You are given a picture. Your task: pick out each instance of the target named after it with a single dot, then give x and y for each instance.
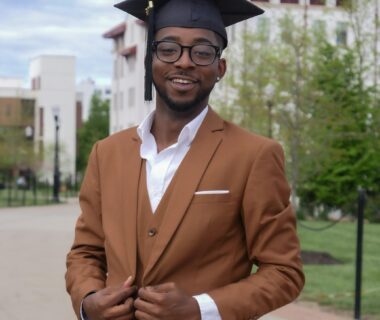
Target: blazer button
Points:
(152, 232)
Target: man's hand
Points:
(111, 303)
(165, 302)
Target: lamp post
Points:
(269, 93)
(359, 253)
(56, 175)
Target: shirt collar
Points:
(143, 130)
(186, 135)
(189, 131)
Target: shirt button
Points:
(152, 232)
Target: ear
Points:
(222, 67)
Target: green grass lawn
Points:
(334, 285)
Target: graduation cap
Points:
(214, 15)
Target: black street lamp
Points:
(56, 177)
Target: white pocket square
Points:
(212, 192)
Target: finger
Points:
(151, 296)
(164, 287)
(120, 295)
(122, 310)
(143, 305)
(128, 282)
(113, 289)
(147, 307)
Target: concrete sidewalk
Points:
(303, 311)
(33, 245)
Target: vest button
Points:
(152, 232)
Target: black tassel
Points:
(149, 53)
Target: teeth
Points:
(183, 81)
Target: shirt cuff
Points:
(83, 315)
(208, 308)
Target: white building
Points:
(53, 84)
(127, 104)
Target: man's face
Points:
(182, 85)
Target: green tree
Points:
(94, 129)
(268, 74)
(322, 109)
(343, 152)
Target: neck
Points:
(168, 124)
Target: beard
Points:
(186, 106)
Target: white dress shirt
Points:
(160, 169)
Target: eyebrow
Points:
(195, 41)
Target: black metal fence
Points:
(29, 190)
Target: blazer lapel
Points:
(187, 177)
(131, 177)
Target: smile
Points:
(182, 81)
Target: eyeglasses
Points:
(200, 54)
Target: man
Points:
(177, 211)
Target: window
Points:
(115, 69)
(132, 32)
(27, 110)
(232, 35)
(121, 100)
(131, 97)
(41, 118)
(131, 61)
(36, 83)
(8, 110)
(121, 67)
(115, 104)
(319, 26)
(290, 1)
(263, 27)
(318, 2)
(341, 33)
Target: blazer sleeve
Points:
(86, 261)
(271, 241)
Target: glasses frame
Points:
(218, 51)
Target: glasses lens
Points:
(203, 55)
(168, 51)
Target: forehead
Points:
(186, 35)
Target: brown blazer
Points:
(206, 243)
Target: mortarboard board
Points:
(214, 15)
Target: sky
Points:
(29, 28)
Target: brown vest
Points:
(148, 224)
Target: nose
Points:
(184, 60)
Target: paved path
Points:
(33, 245)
